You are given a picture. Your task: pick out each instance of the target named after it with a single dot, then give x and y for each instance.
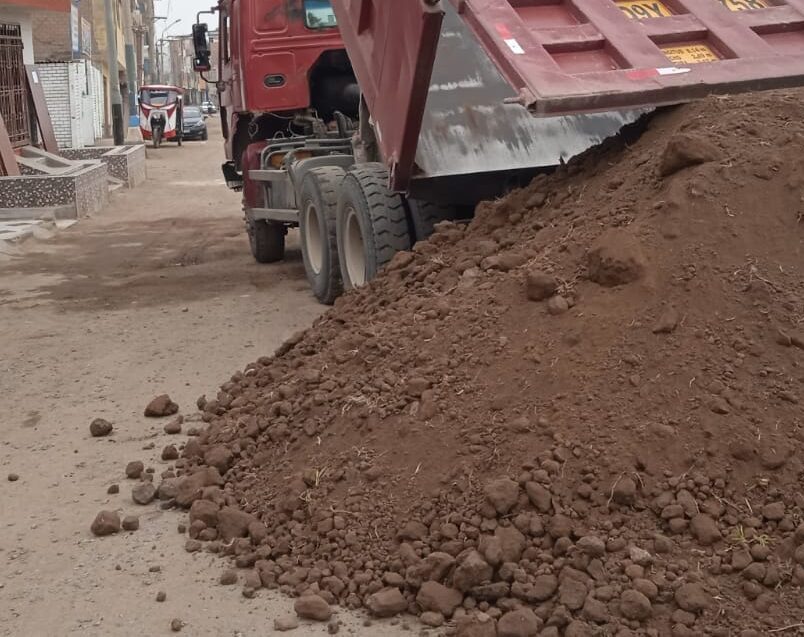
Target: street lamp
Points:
(162, 45)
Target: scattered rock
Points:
(471, 571)
(502, 494)
(386, 602)
(437, 597)
(170, 453)
(143, 493)
(557, 305)
(429, 618)
(113, 489)
(519, 623)
(693, 598)
(615, 259)
(13, 477)
(667, 322)
(705, 530)
(161, 596)
(134, 469)
(131, 523)
(312, 607)
(624, 491)
(161, 406)
(105, 523)
(284, 624)
(539, 285)
(228, 577)
(174, 426)
(176, 625)
(100, 427)
(634, 605)
(475, 625)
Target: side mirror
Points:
(201, 61)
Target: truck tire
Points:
(425, 215)
(267, 240)
(372, 224)
(318, 203)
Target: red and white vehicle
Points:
(160, 109)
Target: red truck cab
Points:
(279, 61)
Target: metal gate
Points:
(13, 93)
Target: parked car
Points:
(193, 124)
(209, 108)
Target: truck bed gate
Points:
(566, 56)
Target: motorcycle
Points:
(160, 113)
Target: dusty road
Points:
(157, 294)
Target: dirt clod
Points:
(161, 406)
(176, 625)
(105, 523)
(13, 477)
(143, 493)
(130, 523)
(684, 150)
(134, 469)
(100, 427)
(312, 607)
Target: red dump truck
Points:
(364, 122)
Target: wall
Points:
(51, 35)
(22, 17)
(65, 84)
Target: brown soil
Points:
(622, 458)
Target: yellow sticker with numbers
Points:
(690, 54)
(744, 5)
(641, 9)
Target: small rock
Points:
(386, 602)
(502, 494)
(134, 469)
(13, 477)
(312, 607)
(640, 556)
(539, 285)
(705, 529)
(220, 457)
(174, 426)
(544, 587)
(429, 618)
(557, 305)
(334, 627)
(143, 493)
(592, 546)
(130, 523)
(228, 577)
(572, 593)
(176, 625)
(471, 571)
(161, 406)
(634, 605)
(478, 625)
(100, 427)
(667, 322)
(170, 453)
(437, 597)
(773, 511)
(693, 598)
(284, 624)
(105, 523)
(193, 546)
(624, 491)
(161, 596)
(519, 623)
(113, 489)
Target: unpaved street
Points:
(157, 294)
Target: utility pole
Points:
(131, 60)
(114, 77)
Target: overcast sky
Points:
(184, 9)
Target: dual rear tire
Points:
(350, 224)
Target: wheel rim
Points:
(312, 238)
(353, 248)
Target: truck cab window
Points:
(318, 14)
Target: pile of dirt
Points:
(578, 415)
